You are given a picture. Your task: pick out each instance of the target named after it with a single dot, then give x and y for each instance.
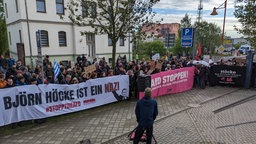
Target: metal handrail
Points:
(235, 104)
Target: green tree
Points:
(116, 18)
(3, 31)
(185, 23)
(245, 12)
(147, 49)
(177, 47)
(236, 46)
(208, 34)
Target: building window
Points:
(6, 10)
(93, 9)
(110, 41)
(44, 38)
(121, 41)
(20, 36)
(90, 37)
(10, 38)
(84, 8)
(62, 38)
(60, 6)
(89, 8)
(17, 8)
(40, 6)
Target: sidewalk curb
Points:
(170, 115)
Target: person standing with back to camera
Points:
(146, 111)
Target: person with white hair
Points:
(146, 112)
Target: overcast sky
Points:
(174, 10)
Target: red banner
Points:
(172, 81)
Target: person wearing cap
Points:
(146, 112)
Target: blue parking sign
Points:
(187, 37)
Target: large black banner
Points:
(227, 75)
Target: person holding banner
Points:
(3, 82)
(131, 83)
(146, 112)
(10, 82)
(68, 79)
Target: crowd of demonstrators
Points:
(14, 73)
(232, 62)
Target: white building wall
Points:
(49, 15)
(53, 30)
(13, 15)
(15, 37)
(80, 40)
(102, 48)
(51, 22)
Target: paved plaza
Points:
(184, 118)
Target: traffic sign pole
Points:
(39, 51)
(194, 45)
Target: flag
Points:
(199, 51)
(56, 70)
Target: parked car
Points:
(229, 50)
(245, 48)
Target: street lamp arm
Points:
(222, 6)
(214, 12)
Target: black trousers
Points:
(139, 132)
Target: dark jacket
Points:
(146, 111)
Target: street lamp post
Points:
(214, 12)
(29, 38)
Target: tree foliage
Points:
(3, 31)
(147, 49)
(186, 22)
(117, 18)
(177, 47)
(245, 11)
(208, 34)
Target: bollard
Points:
(249, 62)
